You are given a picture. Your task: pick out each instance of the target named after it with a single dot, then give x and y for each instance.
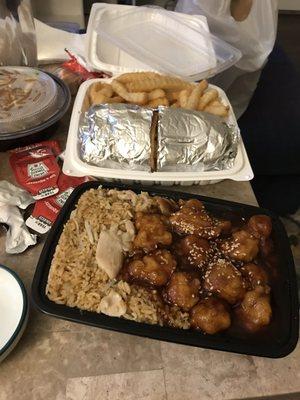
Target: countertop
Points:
(60, 360)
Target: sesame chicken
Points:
(242, 246)
(210, 316)
(260, 226)
(152, 231)
(225, 281)
(182, 290)
(193, 251)
(255, 310)
(255, 275)
(154, 269)
(192, 219)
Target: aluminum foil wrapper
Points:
(191, 141)
(116, 136)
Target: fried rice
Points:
(75, 278)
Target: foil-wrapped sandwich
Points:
(124, 136)
(117, 136)
(194, 141)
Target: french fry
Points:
(196, 94)
(116, 99)
(173, 96)
(140, 98)
(153, 90)
(86, 103)
(100, 98)
(158, 102)
(207, 98)
(219, 109)
(216, 103)
(107, 90)
(100, 88)
(97, 98)
(156, 94)
(96, 86)
(132, 76)
(93, 89)
(157, 82)
(183, 98)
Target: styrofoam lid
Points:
(163, 40)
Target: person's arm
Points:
(240, 9)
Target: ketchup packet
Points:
(78, 67)
(46, 211)
(36, 168)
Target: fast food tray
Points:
(75, 166)
(275, 341)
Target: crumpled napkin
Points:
(18, 237)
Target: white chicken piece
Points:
(109, 253)
(128, 235)
(113, 305)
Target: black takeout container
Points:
(276, 340)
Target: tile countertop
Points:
(60, 360)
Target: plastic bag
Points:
(254, 37)
(17, 33)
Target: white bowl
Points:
(13, 310)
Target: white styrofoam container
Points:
(73, 165)
(103, 55)
(162, 40)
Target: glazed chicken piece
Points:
(226, 226)
(193, 251)
(152, 231)
(255, 275)
(210, 315)
(255, 311)
(260, 226)
(154, 269)
(166, 206)
(266, 247)
(225, 281)
(193, 219)
(242, 246)
(182, 290)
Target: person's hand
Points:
(240, 9)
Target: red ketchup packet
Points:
(46, 211)
(75, 65)
(36, 168)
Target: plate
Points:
(13, 310)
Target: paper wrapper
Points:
(18, 238)
(14, 196)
